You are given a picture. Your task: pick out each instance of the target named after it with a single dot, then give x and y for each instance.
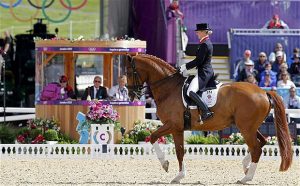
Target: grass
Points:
(85, 20)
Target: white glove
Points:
(182, 68)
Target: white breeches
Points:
(194, 86)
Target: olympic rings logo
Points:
(14, 3)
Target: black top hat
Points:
(202, 26)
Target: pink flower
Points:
(147, 139)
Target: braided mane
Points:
(158, 63)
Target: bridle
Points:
(138, 87)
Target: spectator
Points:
(272, 56)
(295, 70)
(282, 68)
(240, 64)
(273, 74)
(57, 91)
(66, 90)
(259, 64)
(296, 52)
(276, 23)
(295, 66)
(249, 69)
(279, 61)
(95, 92)
(292, 101)
(285, 81)
(267, 81)
(251, 79)
(119, 92)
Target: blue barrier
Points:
(283, 92)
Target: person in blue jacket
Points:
(203, 64)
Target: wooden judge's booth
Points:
(81, 61)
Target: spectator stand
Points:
(260, 40)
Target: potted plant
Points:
(142, 131)
(51, 136)
(103, 118)
(102, 114)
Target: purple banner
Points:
(223, 15)
(90, 49)
(79, 102)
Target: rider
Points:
(203, 64)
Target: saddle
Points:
(208, 93)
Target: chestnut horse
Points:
(243, 104)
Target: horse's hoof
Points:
(175, 181)
(239, 182)
(166, 166)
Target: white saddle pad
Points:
(209, 97)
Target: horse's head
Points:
(146, 68)
(134, 80)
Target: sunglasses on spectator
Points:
(97, 81)
(262, 56)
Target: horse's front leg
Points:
(164, 130)
(178, 140)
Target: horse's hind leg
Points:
(163, 130)
(253, 140)
(178, 140)
(247, 160)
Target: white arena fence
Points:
(143, 151)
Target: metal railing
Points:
(238, 31)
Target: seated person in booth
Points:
(292, 101)
(119, 92)
(95, 92)
(66, 90)
(58, 91)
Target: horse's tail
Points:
(282, 131)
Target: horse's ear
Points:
(129, 57)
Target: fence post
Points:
(71, 30)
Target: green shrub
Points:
(7, 135)
(127, 141)
(64, 139)
(23, 131)
(141, 135)
(298, 140)
(34, 133)
(51, 135)
(196, 139)
(212, 139)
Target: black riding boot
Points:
(206, 113)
